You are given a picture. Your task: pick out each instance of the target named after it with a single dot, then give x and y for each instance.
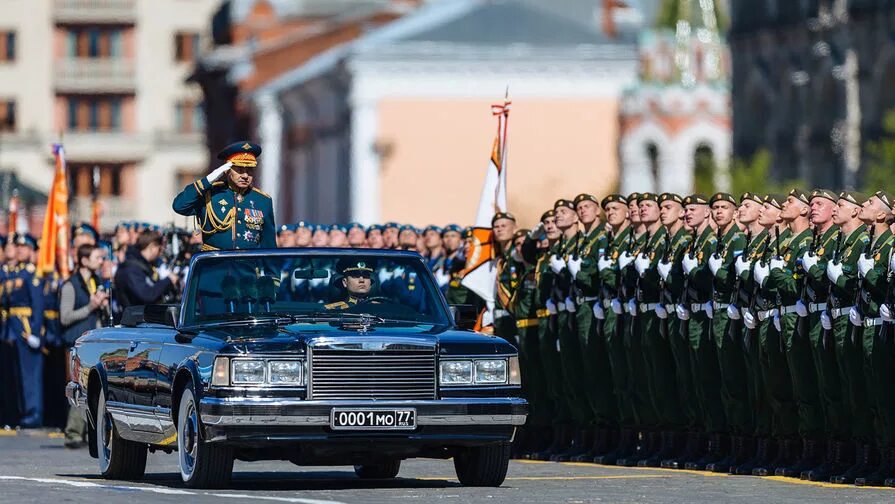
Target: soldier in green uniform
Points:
(842, 273)
(608, 285)
(877, 354)
(503, 225)
(731, 243)
(696, 297)
(591, 241)
(231, 213)
(778, 280)
(741, 377)
(670, 355)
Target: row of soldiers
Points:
(749, 336)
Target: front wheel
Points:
(119, 459)
(483, 466)
(202, 464)
(382, 470)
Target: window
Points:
(7, 115)
(81, 179)
(94, 42)
(188, 117)
(94, 113)
(7, 46)
(186, 46)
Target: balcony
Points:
(114, 209)
(100, 146)
(95, 11)
(85, 75)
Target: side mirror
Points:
(464, 315)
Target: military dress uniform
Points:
(230, 219)
(55, 403)
(26, 305)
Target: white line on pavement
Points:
(167, 491)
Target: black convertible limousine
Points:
(314, 356)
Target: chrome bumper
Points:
(245, 411)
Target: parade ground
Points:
(36, 468)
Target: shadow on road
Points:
(281, 481)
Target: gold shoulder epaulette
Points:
(30, 268)
(262, 193)
(337, 304)
(217, 183)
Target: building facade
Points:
(108, 78)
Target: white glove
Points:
(865, 264)
(664, 269)
(661, 312)
(385, 276)
(733, 313)
(551, 307)
(690, 263)
(570, 305)
(809, 260)
(33, 341)
(616, 306)
(778, 263)
(574, 267)
(163, 271)
(604, 262)
(598, 311)
(886, 313)
(749, 319)
(777, 324)
(682, 312)
(216, 174)
(761, 272)
(715, 263)
(709, 310)
(624, 260)
(854, 316)
(892, 262)
(398, 272)
(557, 263)
(742, 265)
(801, 309)
(632, 306)
(641, 264)
(834, 271)
(442, 277)
(825, 321)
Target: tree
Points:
(880, 171)
(754, 176)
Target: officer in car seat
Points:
(357, 282)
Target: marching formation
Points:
(745, 336)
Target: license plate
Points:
(372, 419)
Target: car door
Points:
(140, 379)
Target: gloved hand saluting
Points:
(220, 170)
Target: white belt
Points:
(719, 306)
(766, 314)
(648, 307)
(561, 306)
(816, 307)
(585, 299)
(873, 322)
(696, 307)
(786, 310)
(839, 312)
(671, 309)
(499, 313)
(607, 303)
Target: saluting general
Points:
(230, 211)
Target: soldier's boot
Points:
(656, 445)
(641, 446)
(587, 446)
(605, 441)
(786, 456)
(836, 464)
(692, 451)
(863, 466)
(670, 445)
(781, 458)
(601, 437)
(882, 472)
(810, 458)
(560, 442)
(762, 455)
(724, 465)
(574, 448)
(828, 455)
(713, 453)
(627, 443)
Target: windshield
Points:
(236, 287)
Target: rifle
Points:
(861, 281)
(776, 241)
(887, 328)
(737, 282)
(834, 258)
(812, 250)
(690, 247)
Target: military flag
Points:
(13, 226)
(54, 243)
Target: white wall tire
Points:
(119, 458)
(202, 464)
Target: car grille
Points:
(388, 374)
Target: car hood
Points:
(295, 338)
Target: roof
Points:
(474, 30)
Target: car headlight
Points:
(284, 372)
(491, 372)
(515, 371)
(245, 371)
(456, 373)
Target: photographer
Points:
(137, 281)
(81, 304)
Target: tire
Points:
(382, 470)
(202, 464)
(484, 466)
(119, 459)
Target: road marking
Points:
(162, 490)
(821, 484)
(8, 433)
(56, 435)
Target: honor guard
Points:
(230, 211)
(25, 327)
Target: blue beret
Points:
(338, 227)
(389, 225)
(321, 227)
(452, 227)
(355, 225)
(25, 239)
(432, 227)
(303, 224)
(84, 228)
(408, 227)
(374, 227)
(283, 228)
(105, 245)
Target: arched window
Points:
(704, 168)
(652, 156)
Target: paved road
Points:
(35, 468)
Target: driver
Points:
(357, 282)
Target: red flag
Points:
(53, 253)
(13, 226)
